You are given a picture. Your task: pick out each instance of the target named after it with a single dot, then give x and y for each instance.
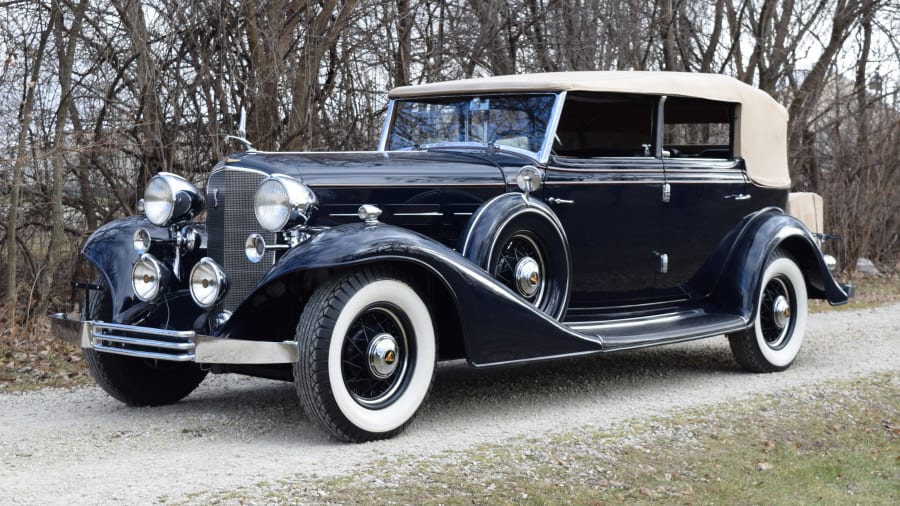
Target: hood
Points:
(380, 168)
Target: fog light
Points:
(149, 277)
(830, 262)
(209, 284)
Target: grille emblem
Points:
(216, 199)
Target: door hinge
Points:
(666, 192)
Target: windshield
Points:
(517, 121)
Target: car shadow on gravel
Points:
(265, 409)
(635, 369)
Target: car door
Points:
(606, 188)
(709, 191)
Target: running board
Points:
(660, 329)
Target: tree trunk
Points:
(16, 190)
(66, 53)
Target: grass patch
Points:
(869, 292)
(836, 443)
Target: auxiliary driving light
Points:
(209, 284)
(149, 277)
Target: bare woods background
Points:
(97, 96)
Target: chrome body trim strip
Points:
(184, 346)
(430, 213)
(441, 184)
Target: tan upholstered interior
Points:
(760, 138)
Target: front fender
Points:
(497, 326)
(111, 250)
(740, 284)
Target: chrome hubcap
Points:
(382, 355)
(528, 277)
(781, 311)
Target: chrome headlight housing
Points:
(209, 284)
(282, 202)
(149, 277)
(171, 198)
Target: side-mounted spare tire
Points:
(521, 243)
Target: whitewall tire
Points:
(775, 338)
(367, 355)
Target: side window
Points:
(596, 125)
(696, 128)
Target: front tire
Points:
(367, 355)
(136, 381)
(774, 340)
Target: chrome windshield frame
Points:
(388, 119)
(544, 154)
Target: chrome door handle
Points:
(554, 200)
(738, 196)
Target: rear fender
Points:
(496, 325)
(739, 286)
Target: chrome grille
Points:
(229, 220)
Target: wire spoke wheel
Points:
(775, 312)
(521, 267)
(367, 354)
(375, 355)
(773, 341)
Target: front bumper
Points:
(171, 345)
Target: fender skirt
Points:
(498, 326)
(742, 276)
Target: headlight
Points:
(170, 198)
(149, 277)
(282, 202)
(208, 283)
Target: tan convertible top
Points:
(761, 126)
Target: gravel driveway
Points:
(82, 447)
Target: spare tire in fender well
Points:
(498, 220)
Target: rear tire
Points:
(136, 381)
(774, 340)
(367, 354)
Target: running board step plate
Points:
(668, 328)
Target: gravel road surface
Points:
(82, 447)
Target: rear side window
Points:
(696, 128)
(594, 125)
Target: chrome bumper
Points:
(171, 345)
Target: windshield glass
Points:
(517, 121)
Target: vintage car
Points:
(503, 220)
